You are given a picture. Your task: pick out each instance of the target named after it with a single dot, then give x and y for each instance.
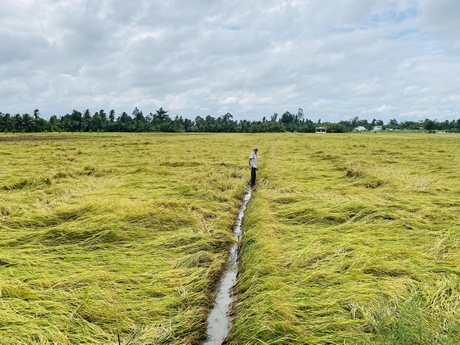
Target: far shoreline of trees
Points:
(161, 121)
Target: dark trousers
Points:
(253, 176)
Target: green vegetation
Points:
(352, 239)
(108, 234)
(161, 121)
(349, 238)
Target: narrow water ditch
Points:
(219, 322)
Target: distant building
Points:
(360, 129)
(321, 130)
(377, 128)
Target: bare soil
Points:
(34, 137)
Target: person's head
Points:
(256, 149)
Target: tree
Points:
(335, 128)
(355, 122)
(36, 114)
(188, 125)
(17, 123)
(7, 124)
(2, 122)
(200, 124)
(96, 122)
(161, 121)
(103, 115)
(178, 124)
(411, 125)
(86, 121)
(287, 118)
(124, 122)
(307, 126)
(111, 125)
(139, 119)
(290, 121)
(54, 124)
(300, 114)
(225, 123)
(76, 125)
(393, 124)
(429, 125)
(160, 116)
(210, 124)
(27, 123)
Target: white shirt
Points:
(253, 158)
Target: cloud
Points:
(334, 59)
(410, 89)
(368, 89)
(379, 110)
(441, 16)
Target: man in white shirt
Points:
(253, 165)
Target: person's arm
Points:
(249, 162)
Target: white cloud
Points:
(369, 89)
(336, 59)
(379, 110)
(230, 100)
(441, 16)
(410, 89)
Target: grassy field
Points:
(353, 239)
(109, 234)
(349, 238)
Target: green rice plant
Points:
(349, 239)
(413, 322)
(107, 236)
(352, 240)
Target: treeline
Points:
(161, 121)
(393, 124)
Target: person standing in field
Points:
(253, 165)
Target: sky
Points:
(334, 59)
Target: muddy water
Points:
(219, 322)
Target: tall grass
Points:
(352, 239)
(109, 234)
(349, 239)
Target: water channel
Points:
(219, 322)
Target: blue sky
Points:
(335, 59)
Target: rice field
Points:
(104, 236)
(349, 238)
(353, 239)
